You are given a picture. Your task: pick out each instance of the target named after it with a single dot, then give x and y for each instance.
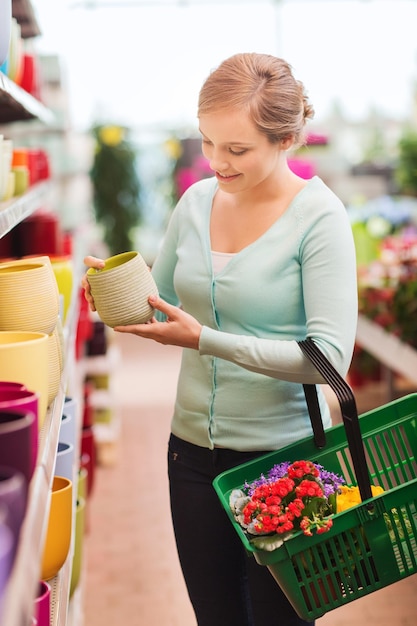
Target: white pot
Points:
(5, 26)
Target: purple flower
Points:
(330, 481)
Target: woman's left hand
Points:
(179, 329)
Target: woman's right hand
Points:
(90, 261)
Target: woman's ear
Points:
(287, 143)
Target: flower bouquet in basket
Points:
(303, 497)
(298, 496)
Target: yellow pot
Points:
(29, 297)
(63, 270)
(77, 558)
(82, 483)
(24, 358)
(9, 188)
(58, 534)
(55, 364)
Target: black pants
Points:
(226, 586)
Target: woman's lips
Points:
(226, 179)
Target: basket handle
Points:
(350, 418)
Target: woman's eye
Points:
(237, 152)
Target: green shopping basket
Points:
(369, 546)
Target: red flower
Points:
(294, 501)
(309, 488)
(302, 468)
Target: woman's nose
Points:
(217, 161)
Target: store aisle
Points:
(132, 576)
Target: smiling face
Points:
(241, 157)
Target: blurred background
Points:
(142, 62)
(139, 64)
(99, 139)
(108, 89)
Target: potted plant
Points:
(406, 170)
(116, 187)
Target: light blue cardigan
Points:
(243, 388)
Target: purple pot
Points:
(23, 400)
(16, 441)
(6, 555)
(13, 495)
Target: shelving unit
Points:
(24, 578)
(17, 109)
(392, 353)
(16, 209)
(16, 104)
(25, 574)
(107, 434)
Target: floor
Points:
(131, 575)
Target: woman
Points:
(253, 260)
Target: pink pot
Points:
(42, 604)
(88, 448)
(6, 385)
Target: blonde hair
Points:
(264, 85)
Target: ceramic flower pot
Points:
(42, 604)
(121, 290)
(16, 441)
(13, 496)
(71, 407)
(78, 544)
(5, 28)
(68, 429)
(23, 400)
(64, 460)
(6, 555)
(55, 365)
(82, 493)
(63, 270)
(58, 534)
(88, 455)
(40, 233)
(29, 298)
(24, 358)
(6, 385)
(15, 58)
(82, 483)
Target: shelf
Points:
(388, 349)
(60, 586)
(24, 579)
(17, 104)
(15, 210)
(102, 363)
(22, 129)
(25, 575)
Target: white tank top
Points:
(220, 260)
